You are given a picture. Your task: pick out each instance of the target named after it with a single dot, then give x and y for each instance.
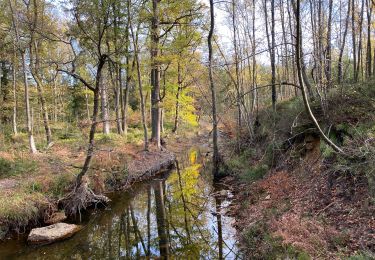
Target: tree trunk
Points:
(179, 89)
(104, 106)
(216, 156)
(155, 75)
(95, 113)
(27, 107)
(35, 70)
(14, 69)
(139, 76)
(237, 83)
(328, 67)
(26, 85)
(161, 220)
(369, 50)
(359, 62)
(342, 48)
(354, 42)
(254, 63)
(271, 48)
(273, 62)
(143, 109)
(300, 78)
(112, 69)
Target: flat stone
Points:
(56, 218)
(52, 233)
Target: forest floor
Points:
(301, 200)
(31, 185)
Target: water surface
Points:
(177, 215)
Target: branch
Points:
(78, 77)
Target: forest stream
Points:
(178, 214)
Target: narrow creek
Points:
(177, 215)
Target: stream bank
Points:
(177, 214)
(31, 200)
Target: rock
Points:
(56, 218)
(52, 233)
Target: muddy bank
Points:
(146, 165)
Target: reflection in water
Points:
(161, 219)
(178, 216)
(219, 226)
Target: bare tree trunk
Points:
(124, 98)
(54, 93)
(237, 82)
(216, 156)
(27, 107)
(139, 76)
(271, 48)
(342, 48)
(15, 105)
(104, 106)
(26, 85)
(95, 113)
(254, 59)
(35, 69)
(368, 52)
(328, 64)
(161, 220)
(155, 74)
(42, 101)
(112, 68)
(179, 89)
(273, 62)
(300, 78)
(162, 120)
(354, 42)
(359, 62)
(87, 104)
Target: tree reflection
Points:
(161, 220)
(219, 226)
(175, 217)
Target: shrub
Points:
(60, 184)
(260, 244)
(255, 173)
(363, 256)
(5, 167)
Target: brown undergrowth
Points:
(302, 207)
(310, 203)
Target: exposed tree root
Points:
(80, 199)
